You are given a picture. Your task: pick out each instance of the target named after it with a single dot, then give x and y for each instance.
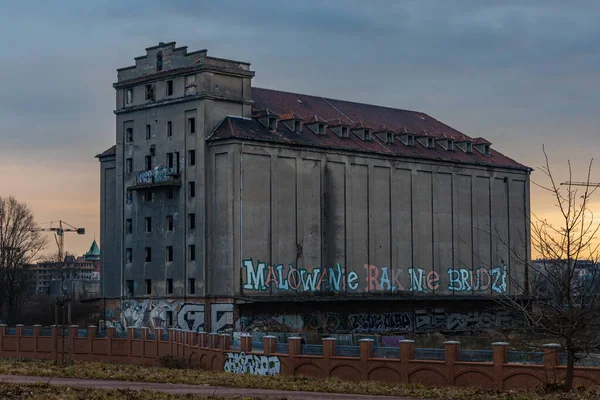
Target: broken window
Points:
(148, 286)
(148, 257)
(129, 165)
(169, 88)
(148, 163)
(169, 253)
(192, 285)
(128, 226)
(192, 189)
(130, 287)
(129, 136)
(148, 195)
(190, 84)
(169, 223)
(148, 224)
(192, 221)
(170, 160)
(128, 256)
(150, 94)
(191, 125)
(148, 132)
(192, 252)
(169, 193)
(169, 129)
(192, 157)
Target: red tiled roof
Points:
(361, 115)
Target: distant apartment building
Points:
(79, 275)
(226, 206)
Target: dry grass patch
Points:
(139, 373)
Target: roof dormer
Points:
(267, 118)
(482, 146)
(446, 141)
(407, 138)
(426, 139)
(465, 144)
(362, 130)
(339, 127)
(292, 121)
(316, 124)
(385, 134)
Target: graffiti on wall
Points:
(159, 313)
(421, 320)
(221, 317)
(241, 363)
(261, 277)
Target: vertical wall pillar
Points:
(130, 336)
(270, 344)
(20, 331)
(37, 332)
(500, 358)
(407, 353)
(111, 333)
(329, 345)
(551, 361)
(92, 329)
(367, 349)
(203, 339)
(225, 343)
(451, 355)
(294, 346)
(2, 334)
(246, 343)
(213, 339)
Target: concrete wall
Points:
(307, 222)
(109, 261)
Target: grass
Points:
(42, 391)
(138, 373)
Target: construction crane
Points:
(588, 184)
(60, 228)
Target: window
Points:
(297, 126)
(150, 95)
(128, 256)
(169, 286)
(192, 285)
(148, 254)
(450, 145)
(486, 149)
(169, 88)
(192, 189)
(192, 221)
(469, 147)
(128, 197)
(169, 318)
(169, 193)
(367, 134)
(191, 125)
(344, 131)
(411, 140)
(169, 128)
(170, 160)
(130, 287)
(148, 163)
(148, 196)
(148, 286)
(169, 253)
(129, 135)
(129, 165)
(148, 224)
(148, 132)
(192, 157)
(169, 223)
(430, 142)
(190, 84)
(321, 129)
(128, 226)
(192, 252)
(129, 96)
(272, 124)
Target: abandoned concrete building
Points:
(230, 207)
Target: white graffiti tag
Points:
(241, 363)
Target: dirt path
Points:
(194, 389)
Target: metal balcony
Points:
(160, 176)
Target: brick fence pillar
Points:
(91, 336)
(2, 334)
(37, 332)
(367, 350)
(213, 339)
(111, 333)
(499, 358)
(225, 343)
(329, 345)
(451, 356)
(20, 331)
(246, 343)
(270, 344)
(407, 353)
(551, 361)
(294, 346)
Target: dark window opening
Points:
(321, 129)
(148, 286)
(367, 135)
(148, 163)
(169, 128)
(296, 126)
(169, 286)
(128, 256)
(169, 223)
(148, 132)
(192, 252)
(148, 196)
(450, 145)
(169, 88)
(192, 221)
(130, 287)
(486, 149)
(192, 285)
(169, 318)
(170, 160)
(150, 95)
(192, 125)
(169, 193)
(148, 224)
(192, 189)
(128, 226)
(411, 140)
(272, 124)
(344, 131)
(129, 135)
(469, 147)
(192, 157)
(169, 253)
(148, 254)
(129, 165)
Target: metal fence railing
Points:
(525, 357)
(386, 352)
(282, 348)
(430, 354)
(476, 355)
(311, 349)
(582, 359)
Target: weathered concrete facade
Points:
(218, 196)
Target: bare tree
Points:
(562, 298)
(19, 247)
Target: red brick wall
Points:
(209, 349)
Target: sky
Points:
(522, 74)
